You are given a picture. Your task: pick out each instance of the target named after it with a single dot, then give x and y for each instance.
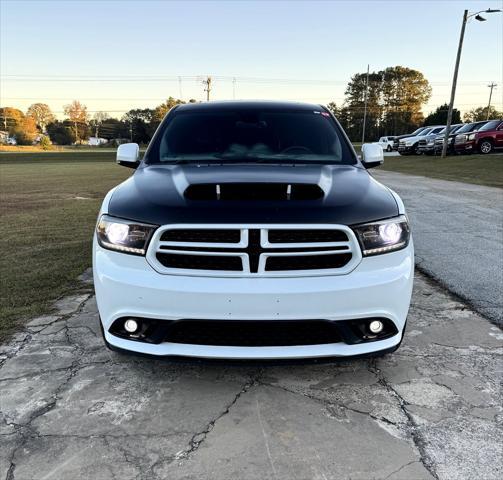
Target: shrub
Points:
(22, 137)
(45, 143)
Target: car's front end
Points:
(465, 143)
(252, 261)
(409, 145)
(426, 145)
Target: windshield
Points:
(425, 132)
(469, 127)
(491, 125)
(419, 130)
(239, 135)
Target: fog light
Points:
(130, 325)
(376, 326)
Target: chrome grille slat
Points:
(254, 250)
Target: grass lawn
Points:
(478, 169)
(49, 203)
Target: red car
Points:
(485, 140)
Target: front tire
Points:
(415, 149)
(485, 147)
(388, 148)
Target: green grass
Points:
(49, 203)
(478, 169)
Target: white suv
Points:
(252, 230)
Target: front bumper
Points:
(380, 286)
(466, 147)
(426, 149)
(405, 149)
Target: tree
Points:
(113, 128)
(10, 117)
(140, 124)
(61, 133)
(97, 121)
(394, 101)
(25, 132)
(77, 114)
(162, 109)
(42, 115)
(480, 113)
(439, 116)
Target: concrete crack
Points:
(414, 428)
(199, 437)
(400, 469)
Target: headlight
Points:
(384, 236)
(471, 136)
(123, 235)
(409, 144)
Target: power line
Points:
(178, 78)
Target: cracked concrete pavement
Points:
(458, 236)
(69, 408)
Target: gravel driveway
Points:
(70, 409)
(458, 236)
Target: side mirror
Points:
(372, 155)
(128, 154)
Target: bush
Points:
(22, 137)
(45, 143)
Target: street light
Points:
(456, 68)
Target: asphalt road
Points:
(458, 236)
(70, 409)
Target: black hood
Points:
(158, 194)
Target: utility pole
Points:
(207, 83)
(365, 108)
(491, 86)
(454, 82)
(180, 87)
(234, 88)
(456, 68)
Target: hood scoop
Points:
(253, 191)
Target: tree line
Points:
(393, 99)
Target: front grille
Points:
(200, 262)
(234, 251)
(306, 236)
(202, 235)
(243, 333)
(306, 262)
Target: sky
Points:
(123, 54)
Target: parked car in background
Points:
(426, 145)
(484, 140)
(386, 143)
(439, 139)
(410, 145)
(413, 134)
(462, 134)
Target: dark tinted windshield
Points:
(491, 125)
(469, 127)
(416, 132)
(255, 135)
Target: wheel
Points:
(485, 147)
(388, 148)
(415, 149)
